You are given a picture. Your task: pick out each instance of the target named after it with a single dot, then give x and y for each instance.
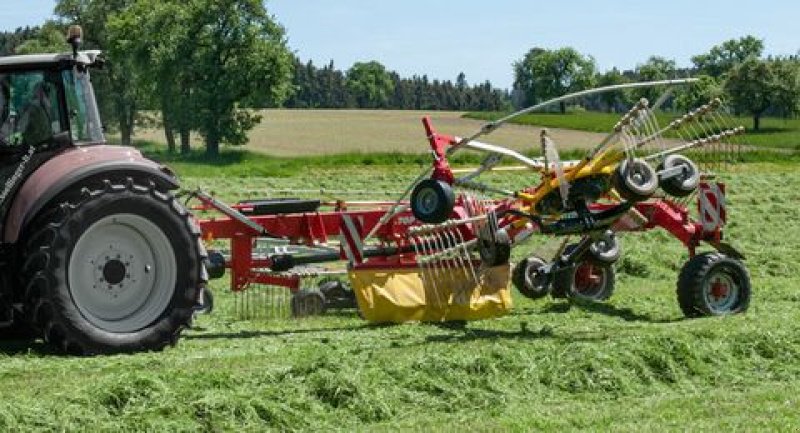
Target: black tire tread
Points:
(690, 298)
(518, 279)
(44, 256)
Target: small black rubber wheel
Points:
(432, 201)
(529, 280)
(635, 180)
(215, 264)
(337, 294)
(684, 183)
(586, 280)
(332, 288)
(306, 303)
(605, 250)
(115, 269)
(713, 284)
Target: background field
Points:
(325, 132)
(631, 364)
(291, 133)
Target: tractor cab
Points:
(47, 101)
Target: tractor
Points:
(97, 255)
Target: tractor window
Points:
(29, 109)
(84, 118)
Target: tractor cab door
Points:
(30, 110)
(32, 119)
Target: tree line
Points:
(736, 70)
(371, 85)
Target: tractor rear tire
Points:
(713, 284)
(117, 269)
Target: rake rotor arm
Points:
(692, 116)
(716, 138)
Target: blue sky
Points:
(482, 38)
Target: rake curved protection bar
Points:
(491, 126)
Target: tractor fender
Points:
(69, 168)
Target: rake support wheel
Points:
(605, 250)
(684, 183)
(529, 279)
(432, 201)
(635, 180)
(713, 284)
(306, 303)
(586, 280)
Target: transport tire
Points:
(586, 280)
(713, 284)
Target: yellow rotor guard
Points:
(405, 295)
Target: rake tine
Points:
(246, 304)
(433, 269)
(705, 125)
(418, 253)
(428, 256)
(468, 256)
(722, 125)
(458, 257)
(427, 278)
(433, 262)
(442, 251)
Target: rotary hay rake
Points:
(441, 251)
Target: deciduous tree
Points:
(756, 85)
(370, 84)
(544, 74)
(723, 57)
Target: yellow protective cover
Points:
(403, 295)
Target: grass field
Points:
(632, 364)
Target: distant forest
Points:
(327, 87)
